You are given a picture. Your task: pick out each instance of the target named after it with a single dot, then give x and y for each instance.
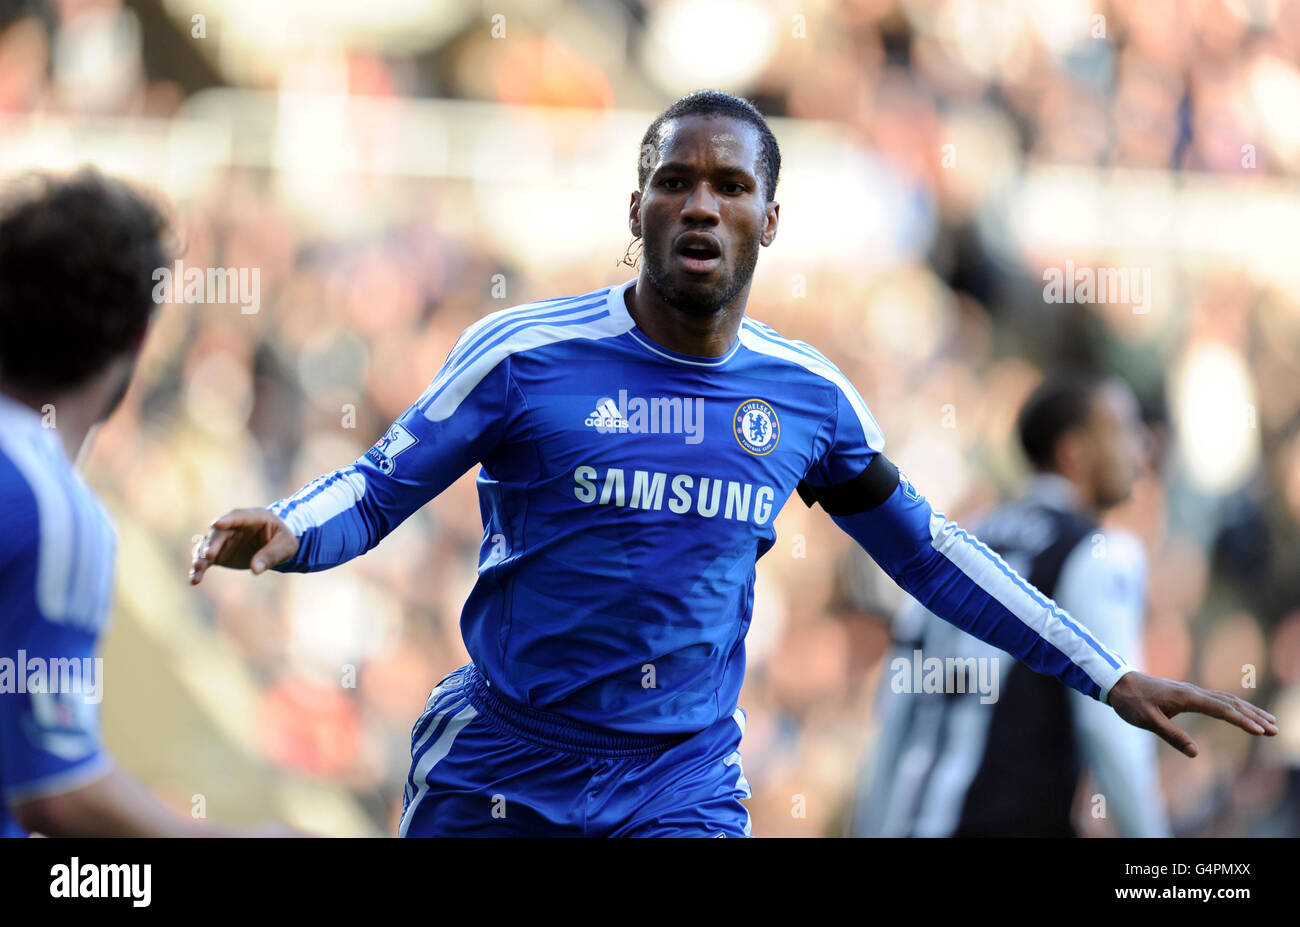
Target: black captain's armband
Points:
(864, 492)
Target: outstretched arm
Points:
(456, 423)
(962, 581)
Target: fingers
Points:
(1221, 705)
(233, 532)
(277, 550)
(1172, 734)
(1234, 710)
(1266, 720)
(1239, 714)
(206, 553)
(1154, 702)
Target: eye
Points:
(733, 187)
(667, 183)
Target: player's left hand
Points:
(1149, 702)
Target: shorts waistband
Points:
(555, 731)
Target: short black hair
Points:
(1059, 405)
(77, 256)
(710, 103)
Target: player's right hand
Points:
(244, 539)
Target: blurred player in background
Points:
(77, 257)
(637, 443)
(956, 763)
(26, 34)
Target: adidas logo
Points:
(606, 417)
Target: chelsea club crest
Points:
(756, 427)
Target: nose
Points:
(701, 205)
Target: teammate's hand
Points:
(245, 539)
(1149, 702)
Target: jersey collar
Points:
(618, 308)
(1054, 491)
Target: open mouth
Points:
(699, 253)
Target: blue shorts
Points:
(482, 766)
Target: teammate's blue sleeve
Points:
(945, 568)
(49, 704)
(456, 423)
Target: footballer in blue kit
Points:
(636, 444)
(67, 355)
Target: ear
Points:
(634, 214)
(769, 223)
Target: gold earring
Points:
(628, 258)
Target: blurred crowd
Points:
(944, 340)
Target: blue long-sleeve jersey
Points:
(56, 591)
(627, 491)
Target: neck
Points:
(71, 413)
(1083, 500)
(700, 335)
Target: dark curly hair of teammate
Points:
(77, 257)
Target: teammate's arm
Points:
(113, 805)
(959, 579)
(455, 424)
(55, 775)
